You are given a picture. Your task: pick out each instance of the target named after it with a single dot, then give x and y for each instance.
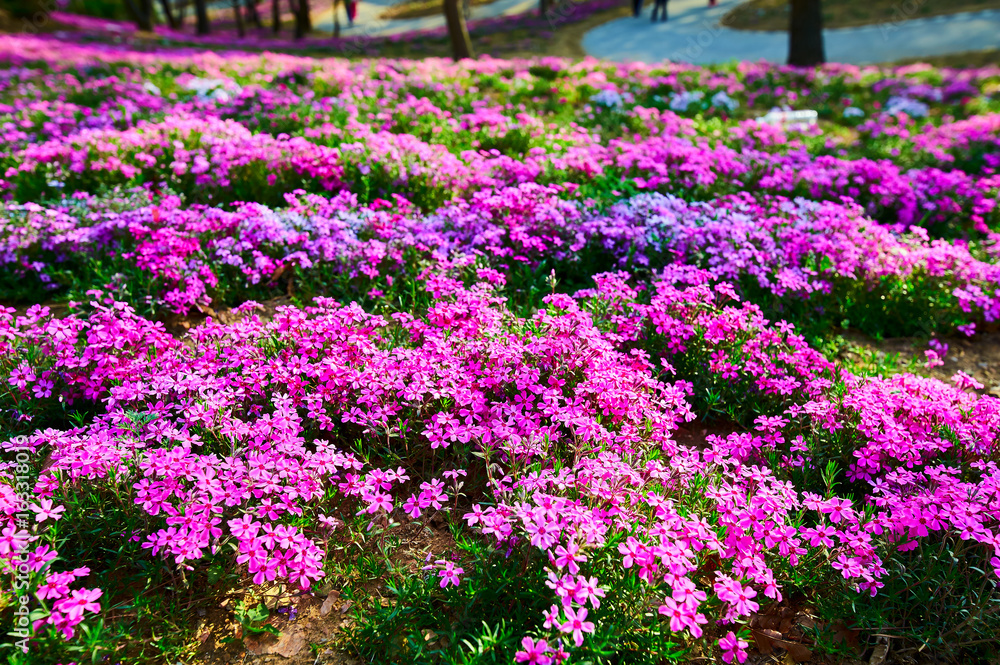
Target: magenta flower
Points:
(577, 624)
(534, 653)
(733, 648)
(245, 527)
(43, 510)
(450, 574)
(83, 600)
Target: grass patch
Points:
(773, 14)
(421, 8)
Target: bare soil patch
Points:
(977, 356)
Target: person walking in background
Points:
(636, 7)
(660, 4)
(711, 3)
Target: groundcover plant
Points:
(497, 361)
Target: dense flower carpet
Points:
(439, 339)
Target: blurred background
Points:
(804, 32)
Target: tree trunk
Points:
(275, 16)
(169, 13)
(805, 34)
(303, 23)
(458, 31)
(297, 18)
(307, 25)
(253, 15)
(142, 12)
(201, 12)
(543, 8)
(181, 13)
(147, 10)
(238, 15)
(336, 21)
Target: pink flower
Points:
(683, 616)
(589, 589)
(379, 501)
(450, 574)
(965, 382)
(577, 624)
(675, 612)
(82, 600)
(567, 557)
(534, 653)
(46, 511)
(244, 528)
(21, 376)
(331, 523)
(412, 508)
(733, 648)
(551, 618)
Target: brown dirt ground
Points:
(316, 635)
(978, 356)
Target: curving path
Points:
(693, 34)
(368, 24)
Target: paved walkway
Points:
(693, 34)
(368, 24)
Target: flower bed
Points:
(510, 290)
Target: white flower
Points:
(151, 88)
(853, 112)
(793, 120)
(220, 90)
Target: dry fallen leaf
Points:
(769, 640)
(879, 655)
(328, 603)
(765, 642)
(845, 635)
(798, 652)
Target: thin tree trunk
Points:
(169, 13)
(303, 23)
(147, 10)
(181, 13)
(458, 31)
(543, 8)
(336, 20)
(275, 16)
(201, 11)
(253, 14)
(238, 15)
(297, 18)
(805, 34)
